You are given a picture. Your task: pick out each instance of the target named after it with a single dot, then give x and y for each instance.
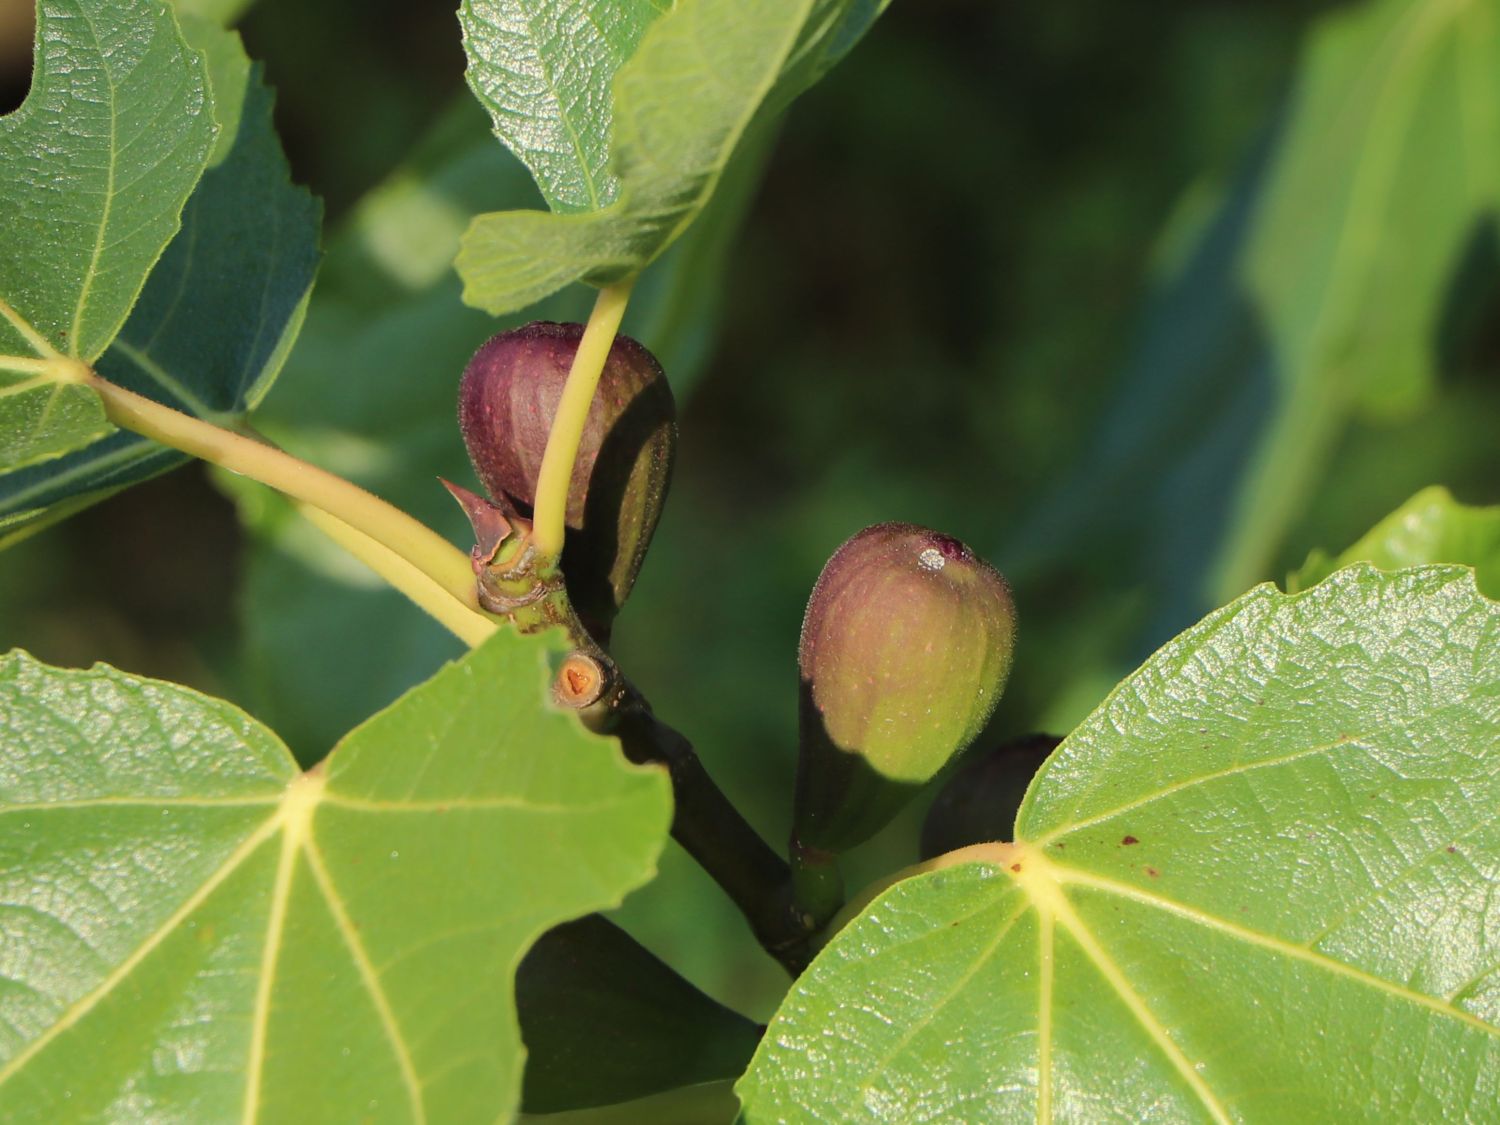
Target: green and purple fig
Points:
(905, 650)
(507, 401)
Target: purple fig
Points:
(979, 801)
(905, 650)
(507, 401)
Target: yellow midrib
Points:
(1038, 879)
(291, 816)
(1043, 884)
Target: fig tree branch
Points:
(723, 843)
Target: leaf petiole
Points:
(471, 626)
(413, 543)
(551, 508)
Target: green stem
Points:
(817, 883)
(550, 512)
(406, 538)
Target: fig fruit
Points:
(905, 650)
(507, 401)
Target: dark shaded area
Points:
(979, 801)
(629, 484)
(1468, 331)
(605, 1021)
(712, 830)
(1158, 476)
(359, 82)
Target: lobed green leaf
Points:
(218, 314)
(199, 932)
(1256, 884)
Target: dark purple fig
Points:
(906, 647)
(506, 405)
(979, 802)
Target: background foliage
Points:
(1013, 271)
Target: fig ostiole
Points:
(905, 650)
(507, 401)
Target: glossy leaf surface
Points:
(544, 69)
(199, 932)
(1257, 884)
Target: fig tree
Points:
(905, 650)
(507, 401)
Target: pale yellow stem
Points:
(406, 538)
(468, 625)
(551, 509)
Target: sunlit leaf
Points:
(544, 69)
(1257, 884)
(196, 931)
(98, 162)
(218, 314)
(1431, 527)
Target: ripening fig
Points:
(507, 401)
(905, 650)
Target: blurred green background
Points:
(1142, 301)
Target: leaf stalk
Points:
(415, 544)
(550, 512)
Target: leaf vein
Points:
(1072, 876)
